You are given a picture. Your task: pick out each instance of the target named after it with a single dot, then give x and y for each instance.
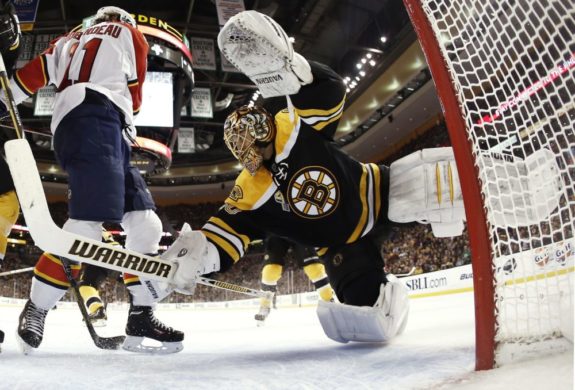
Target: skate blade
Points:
(260, 317)
(24, 347)
(260, 323)
(135, 344)
(99, 323)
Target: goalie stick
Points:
(101, 342)
(259, 293)
(235, 288)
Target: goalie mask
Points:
(106, 14)
(246, 131)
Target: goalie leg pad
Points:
(424, 187)
(380, 323)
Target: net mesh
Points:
(512, 64)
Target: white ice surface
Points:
(224, 349)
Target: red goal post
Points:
(504, 73)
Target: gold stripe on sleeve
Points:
(363, 218)
(311, 112)
(321, 125)
(220, 223)
(223, 244)
(377, 189)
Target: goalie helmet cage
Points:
(504, 73)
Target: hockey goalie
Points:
(298, 184)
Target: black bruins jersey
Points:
(6, 183)
(311, 191)
(277, 249)
(10, 56)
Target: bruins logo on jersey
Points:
(236, 193)
(228, 208)
(313, 192)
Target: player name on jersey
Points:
(106, 29)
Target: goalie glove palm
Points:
(257, 46)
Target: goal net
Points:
(504, 71)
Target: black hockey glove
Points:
(9, 28)
(3, 109)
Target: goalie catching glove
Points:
(258, 47)
(194, 256)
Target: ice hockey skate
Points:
(31, 327)
(143, 324)
(98, 318)
(1, 339)
(265, 308)
(91, 297)
(262, 315)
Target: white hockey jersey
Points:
(110, 58)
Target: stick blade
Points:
(109, 342)
(27, 181)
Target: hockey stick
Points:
(201, 280)
(11, 104)
(50, 238)
(100, 342)
(46, 234)
(411, 272)
(259, 293)
(16, 271)
(234, 287)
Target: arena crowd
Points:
(412, 249)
